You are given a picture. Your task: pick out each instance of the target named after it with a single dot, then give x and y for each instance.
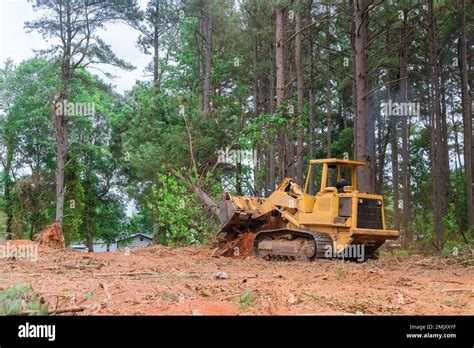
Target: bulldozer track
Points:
(321, 242)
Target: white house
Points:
(80, 248)
(132, 241)
(103, 247)
(135, 240)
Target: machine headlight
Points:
(361, 201)
(379, 203)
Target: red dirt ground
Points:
(162, 281)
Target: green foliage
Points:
(74, 205)
(178, 216)
(423, 226)
(262, 129)
(30, 138)
(140, 223)
(21, 298)
(3, 221)
(245, 300)
(343, 143)
(88, 295)
(456, 248)
(85, 46)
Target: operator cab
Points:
(331, 175)
(330, 187)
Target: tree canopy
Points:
(271, 84)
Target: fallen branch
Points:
(237, 294)
(68, 310)
(202, 196)
(68, 266)
(449, 281)
(230, 296)
(422, 262)
(38, 274)
(129, 274)
(82, 267)
(464, 262)
(213, 254)
(457, 290)
(57, 311)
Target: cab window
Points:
(314, 180)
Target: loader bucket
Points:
(236, 213)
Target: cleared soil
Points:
(195, 281)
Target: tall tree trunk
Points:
(472, 121)
(371, 146)
(354, 82)
(207, 27)
(329, 91)
(393, 139)
(405, 134)
(280, 87)
(436, 137)
(259, 159)
(271, 111)
(156, 46)
(89, 229)
(154, 224)
(290, 141)
(256, 108)
(365, 173)
(312, 116)
(238, 175)
(396, 189)
(90, 196)
(467, 115)
(61, 122)
(299, 77)
(7, 182)
(381, 168)
(457, 146)
(61, 152)
(329, 117)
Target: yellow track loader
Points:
(328, 219)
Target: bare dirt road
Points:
(193, 281)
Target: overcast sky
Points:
(17, 44)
